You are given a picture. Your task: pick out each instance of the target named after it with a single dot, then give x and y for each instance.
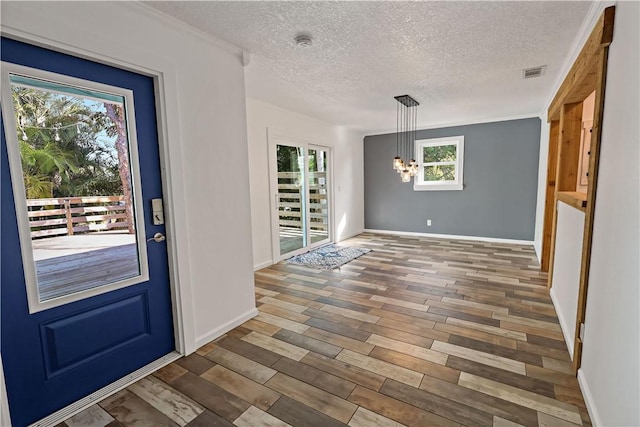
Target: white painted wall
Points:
(205, 124)
(610, 375)
(348, 173)
(567, 261)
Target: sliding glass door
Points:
(318, 195)
(300, 190)
(291, 198)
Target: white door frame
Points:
(329, 187)
(275, 138)
(164, 77)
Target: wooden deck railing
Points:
(71, 215)
(290, 195)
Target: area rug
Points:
(328, 257)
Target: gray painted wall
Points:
(500, 184)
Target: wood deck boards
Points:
(86, 270)
(419, 332)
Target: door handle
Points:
(158, 237)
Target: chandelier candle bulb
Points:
(397, 163)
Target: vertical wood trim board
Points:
(569, 149)
(594, 161)
(552, 167)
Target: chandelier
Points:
(406, 120)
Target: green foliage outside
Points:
(289, 159)
(444, 156)
(440, 173)
(440, 153)
(65, 145)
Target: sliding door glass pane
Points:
(318, 196)
(291, 198)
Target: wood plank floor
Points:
(418, 332)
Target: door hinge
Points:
(581, 332)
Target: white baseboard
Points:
(221, 330)
(566, 331)
(453, 236)
(537, 245)
(588, 399)
(262, 265)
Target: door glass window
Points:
(291, 198)
(318, 196)
(73, 170)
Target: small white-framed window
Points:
(440, 164)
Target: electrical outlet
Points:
(428, 223)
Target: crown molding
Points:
(184, 27)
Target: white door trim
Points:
(330, 216)
(172, 173)
(5, 417)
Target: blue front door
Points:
(57, 354)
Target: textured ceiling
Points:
(462, 61)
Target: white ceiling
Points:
(462, 61)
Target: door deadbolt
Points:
(157, 211)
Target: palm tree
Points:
(67, 146)
(43, 167)
(44, 163)
(115, 112)
(59, 147)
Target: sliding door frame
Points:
(276, 138)
(329, 183)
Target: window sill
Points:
(437, 187)
(574, 198)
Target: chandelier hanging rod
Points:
(406, 121)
